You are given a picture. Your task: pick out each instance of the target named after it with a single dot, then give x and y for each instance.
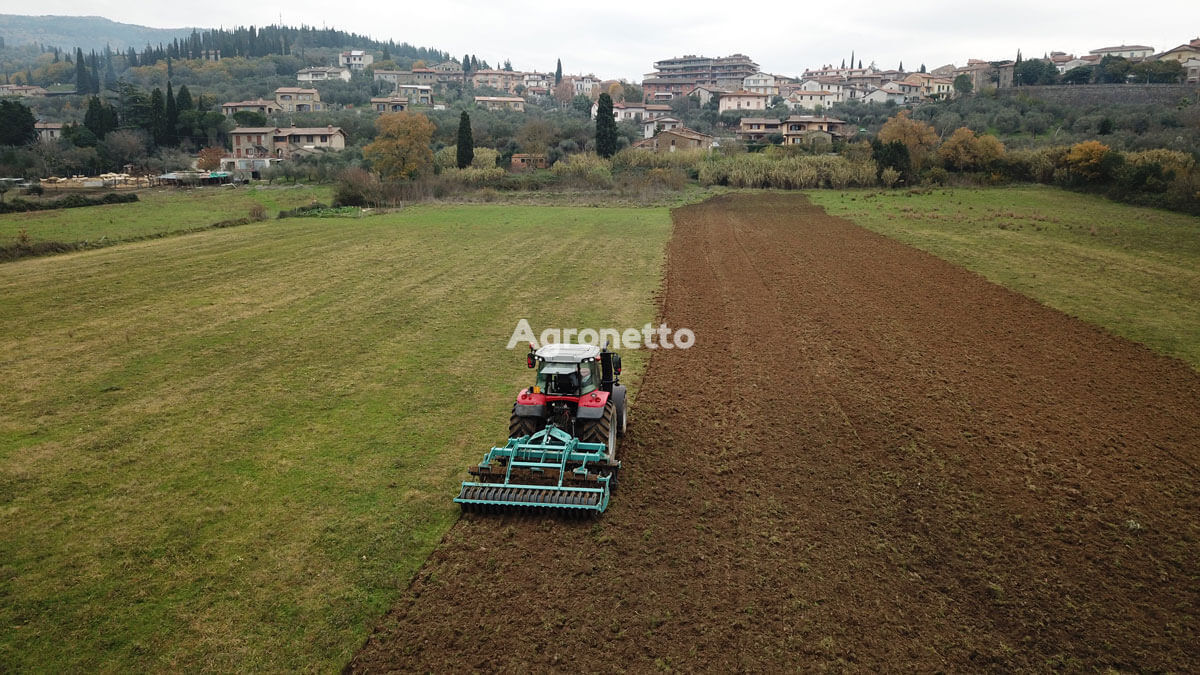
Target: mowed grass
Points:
(1134, 271)
(159, 211)
(232, 449)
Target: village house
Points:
(501, 103)
(742, 100)
(323, 74)
(626, 111)
(587, 85)
(355, 59)
(284, 142)
(677, 138)
(1188, 56)
(527, 162)
(911, 92)
(1182, 53)
(48, 131)
(425, 76)
(706, 93)
(502, 80)
(258, 105)
(389, 104)
(1135, 52)
(881, 95)
(652, 126)
(981, 73)
(539, 84)
(298, 99)
(760, 83)
(930, 86)
(810, 129)
(623, 110)
(417, 94)
(810, 100)
(757, 129)
(448, 67)
(22, 90)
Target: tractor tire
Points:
(519, 426)
(622, 418)
(603, 430)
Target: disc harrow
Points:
(548, 471)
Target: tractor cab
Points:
(567, 370)
(566, 379)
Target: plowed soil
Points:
(871, 459)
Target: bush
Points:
(258, 212)
(771, 171)
(586, 169)
(357, 187)
(69, 202)
(889, 176)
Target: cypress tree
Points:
(558, 73)
(158, 117)
(93, 118)
(606, 127)
(184, 100)
(466, 142)
(172, 118)
(83, 81)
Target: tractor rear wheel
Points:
(519, 425)
(603, 430)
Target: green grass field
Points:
(1134, 271)
(231, 449)
(160, 211)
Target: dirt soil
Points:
(871, 459)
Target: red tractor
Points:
(578, 389)
(561, 452)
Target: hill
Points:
(88, 32)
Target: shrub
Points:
(258, 212)
(588, 169)
(69, 202)
(357, 187)
(967, 152)
(1086, 159)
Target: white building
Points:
(1127, 51)
(657, 124)
(802, 99)
(585, 84)
(323, 74)
(761, 83)
(355, 59)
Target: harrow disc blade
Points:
(474, 497)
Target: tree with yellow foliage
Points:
(918, 137)
(967, 152)
(401, 150)
(1086, 159)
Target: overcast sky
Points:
(628, 37)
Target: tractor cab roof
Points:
(564, 353)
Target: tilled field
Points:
(870, 459)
